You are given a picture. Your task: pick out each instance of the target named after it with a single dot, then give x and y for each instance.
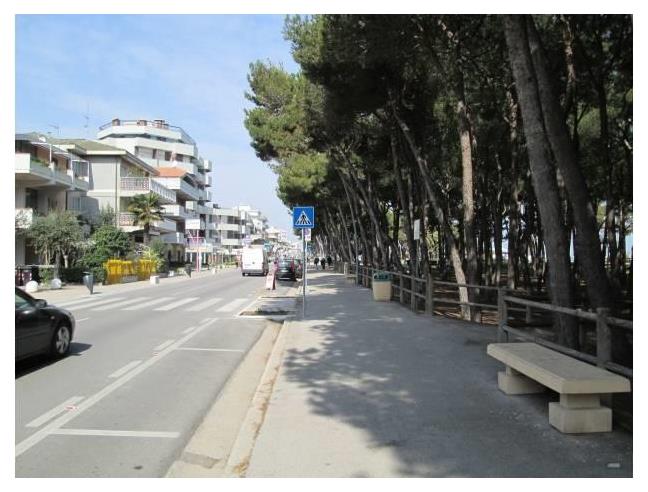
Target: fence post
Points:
(603, 337)
(429, 294)
(527, 315)
(502, 315)
(413, 293)
(401, 292)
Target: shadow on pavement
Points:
(32, 364)
(425, 389)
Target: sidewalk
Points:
(77, 291)
(368, 389)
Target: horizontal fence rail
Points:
(415, 292)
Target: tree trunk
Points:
(455, 258)
(587, 238)
(405, 203)
(543, 174)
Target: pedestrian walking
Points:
(329, 260)
(316, 261)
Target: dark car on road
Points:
(41, 328)
(286, 270)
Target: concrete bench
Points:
(531, 367)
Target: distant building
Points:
(171, 151)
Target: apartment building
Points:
(174, 154)
(47, 178)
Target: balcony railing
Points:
(179, 211)
(163, 125)
(126, 219)
(147, 185)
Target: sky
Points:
(190, 70)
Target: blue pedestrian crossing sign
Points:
(304, 217)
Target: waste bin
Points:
(381, 286)
(88, 281)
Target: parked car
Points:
(41, 328)
(286, 270)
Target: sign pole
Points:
(304, 268)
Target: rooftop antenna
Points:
(86, 117)
(58, 130)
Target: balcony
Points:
(228, 227)
(181, 187)
(138, 186)
(179, 212)
(200, 209)
(40, 173)
(165, 225)
(174, 238)
(231, 242)
(136, 127)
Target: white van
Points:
(254, 261)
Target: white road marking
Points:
(114, 433)
(191, 328)
(149, 303)
(176, 304)
(95, 302)
(37, 422)
(163, 346)
(120, 304)
(210, 349)
(120, 372)
(203, 305)
(88, 300)
(82, 319)
(232, 305)
(41, 434)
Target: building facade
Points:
(171, 151)
(46, 178)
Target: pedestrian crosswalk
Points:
(162, 304)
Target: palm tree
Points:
(147, 209)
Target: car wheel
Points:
(61, 341)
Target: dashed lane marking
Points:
(120, 372)
(47, 416)
(56, 424)
(114, 433)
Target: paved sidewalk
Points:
(370, 389)
(76, 291)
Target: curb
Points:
(241, 452)
(220, 435)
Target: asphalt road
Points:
(145, 366)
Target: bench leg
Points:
(580, 414)
(512, 382)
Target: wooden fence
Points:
(420, 295)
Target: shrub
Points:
(72, 274)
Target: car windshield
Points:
(22, 301)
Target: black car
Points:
(41, 328)
(286, 270)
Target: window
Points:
(167, 156)
(22, 302)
